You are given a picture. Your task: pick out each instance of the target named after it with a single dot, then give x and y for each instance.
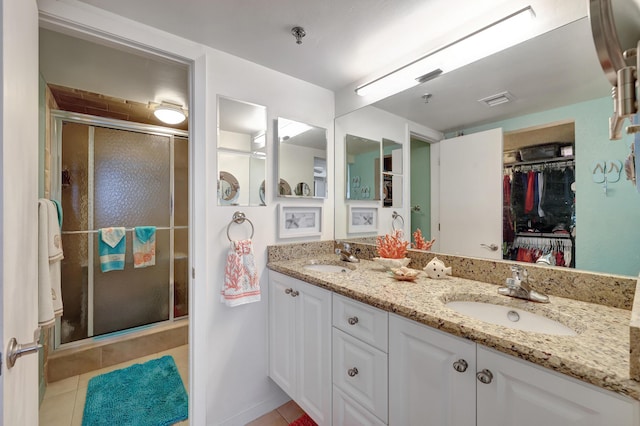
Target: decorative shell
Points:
(392, 246)
(404, 274)
(419, 241)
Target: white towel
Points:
(49, 256)
(241, 283)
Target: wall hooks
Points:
(606, 172)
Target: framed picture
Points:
(362, 219)
(299, 221)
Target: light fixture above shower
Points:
(170, 113)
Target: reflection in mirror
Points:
(606, 205)
(242, 153)
(363, 168)
(302, 159)
(391, 174)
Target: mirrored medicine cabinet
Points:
(302, 159)
(242, 153)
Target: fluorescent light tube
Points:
(491, 39)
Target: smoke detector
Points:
(497, 99)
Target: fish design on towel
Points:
(241, 283)
(144, 246)
(112, 244)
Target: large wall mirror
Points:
(302, 159)
(552, 79)
(242, 153)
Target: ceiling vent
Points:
(497, 99)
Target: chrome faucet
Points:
(345, 253)
(518, 286)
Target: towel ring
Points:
(239, 218)
(394, 217)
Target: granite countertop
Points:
(599, 354)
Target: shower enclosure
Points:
(109, 173)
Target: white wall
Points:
(228, 346)
(373, 123)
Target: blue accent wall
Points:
(607, 225)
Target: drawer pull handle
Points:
(353, 320)
(485, 376)
(294, 293)
(352, 372)
(460, 366)
(288, 291)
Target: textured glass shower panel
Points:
(75, 177)
(181, 273)
(132, 176)
(133, 296)
(75, 278)
(181, 182)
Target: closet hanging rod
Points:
(543, 235)
(95, 231)
(569, 159)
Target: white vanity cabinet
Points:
(424, 386)
(360, 378)
(526, 394)
(300, 343)
(430, 385)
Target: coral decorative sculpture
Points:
(419, 241)
(392, 246)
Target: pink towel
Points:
(241, 283)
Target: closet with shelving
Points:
(539, 195)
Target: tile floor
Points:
(281, 416)
(63, 402)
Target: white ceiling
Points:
(350, 40)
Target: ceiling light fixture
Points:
(493, 38)
(170, 113)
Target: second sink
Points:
(507, 316)
(323, 267)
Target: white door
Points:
(471, 195)
(19, 198)
(313, 350)
(431, 376)
(524, 394)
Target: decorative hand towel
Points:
(241, 283)
(49, 256)
(144, 246)
(112, 244)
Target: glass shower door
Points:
(132, 187)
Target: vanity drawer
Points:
(365, 322)
(347, 412)
(360, 371)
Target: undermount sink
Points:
(507, 316)
(330, 268)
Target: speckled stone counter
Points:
(599, 354)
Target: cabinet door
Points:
(528, 395)
(282, 333)
(424, 387)
(313, 351)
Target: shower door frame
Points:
(58, 117)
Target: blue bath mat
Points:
(149, 394)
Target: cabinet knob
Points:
(294, 293)
(353, 320)
(288, 291)
(460, 366)
(485, 376)
(352, 372)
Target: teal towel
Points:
(59, 208)
(144, 246)
(112, 244)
